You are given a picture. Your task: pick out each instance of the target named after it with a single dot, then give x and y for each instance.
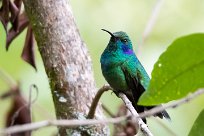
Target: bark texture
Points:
(67, 63)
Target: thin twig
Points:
(174, 104)
(30, 101)
(96, 100)
(108, 111)
(8, 79)
(16, 114)
(13, 91)
(75, 123)
(69, 123)
(150, 23)
(141, 125)
(29, 104)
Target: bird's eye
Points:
(124, 40)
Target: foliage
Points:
(197, 129)
(10, 12)
(178, 71)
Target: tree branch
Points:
(152, 19)
(150, 23)
(68, 123)
(67, 63)
(8, 79)
(75, 123)
(96, 100)
(108, 111)
(174, 104)
(139, 123)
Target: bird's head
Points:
(119, 41)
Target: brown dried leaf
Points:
(15, 23)
(4, 13)
(12, 34)
(19, 113)
(9, 94)
(28, 53)
(18, 3)
(14, 11)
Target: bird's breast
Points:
(115, 77)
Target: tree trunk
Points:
(67, 63)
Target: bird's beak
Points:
(108, 32)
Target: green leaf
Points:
(197, 129)
(179, 70)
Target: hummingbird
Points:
(124, 72)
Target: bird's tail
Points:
(140, 109)
(162, 114)
(166, 115)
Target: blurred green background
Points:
(175, 18)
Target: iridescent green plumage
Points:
(123, 71)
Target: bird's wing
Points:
(136, 77)
(138, 80)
